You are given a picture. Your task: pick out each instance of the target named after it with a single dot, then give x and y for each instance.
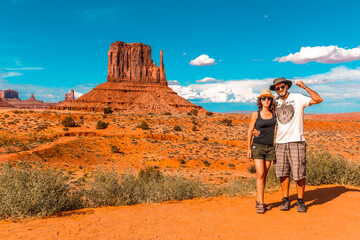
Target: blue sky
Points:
(50, 47)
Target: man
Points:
(290, 146)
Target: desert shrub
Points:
(115, 149)
(150, 185)
(194, 128)
(205, 139)
(108, 110)
(143, 125)
(101, 125)
(325, 168)
(177, 128)
(226, 122)
(193, 112)
(167, 113)
(6, 116)
(231, 165)
(32, 192)
(68, 122)
(209, 113)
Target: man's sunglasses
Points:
(281, 87)
(264, 98)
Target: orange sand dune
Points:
(333, 213)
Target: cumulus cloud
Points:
(173, 82)
(202, 60)
(220, 92)
(322, 54)
(336, 74)
(77, 94)
(208, 80)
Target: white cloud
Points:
(208, 80)
(266, 16)
(337, 74)
(202, 60)
(245, 90)
(9, 74)
(173, 82)
(77, 94)
(22, 68)
(322, 54)
(340, 83)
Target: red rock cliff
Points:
(131, 62)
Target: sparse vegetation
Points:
(115, 149)
(193, 112)
(209, 113)
(101, 125)
(177, 128)
(143, 125)
(251, 168)
(68, 122)
(34, 192)
(108, 110)
(167, 113)
(194, 128)
(226, 122)
(324, 168)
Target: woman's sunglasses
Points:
(264, 98)
(281, 87)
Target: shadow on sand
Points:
(319, 196)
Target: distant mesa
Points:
(134, 84)
(10, 99)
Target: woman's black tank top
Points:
(266, 128)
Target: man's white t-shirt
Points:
(290, 118)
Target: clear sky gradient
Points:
(50, 47)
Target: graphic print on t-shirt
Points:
(285, 113)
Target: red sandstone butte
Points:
(134, 84)
(11, 97)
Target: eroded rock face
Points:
(134, 84)
(70, 95)
(132, 63)
(9, 93)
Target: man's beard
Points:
(283, 95)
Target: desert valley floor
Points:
(212, 151)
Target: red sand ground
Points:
(333, 213)
(38, 136)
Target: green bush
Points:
(194, 128)
(325, 168)
(226, 122)
(167, 113)
(101, 125)
(108, 110)
(33, 192)
(115, 149)
(193, 112)
(177, 128)
(143, 125)
(209, 113)
(150, 185)
(68, 122)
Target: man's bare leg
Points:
(285, 184)
(300, 187)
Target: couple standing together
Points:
(285, 115)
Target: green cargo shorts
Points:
(263, 152)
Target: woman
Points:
(261, 148)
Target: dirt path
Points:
(334, 213)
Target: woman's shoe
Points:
(257, 204)
(261, 209)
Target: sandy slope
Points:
(334, 213)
